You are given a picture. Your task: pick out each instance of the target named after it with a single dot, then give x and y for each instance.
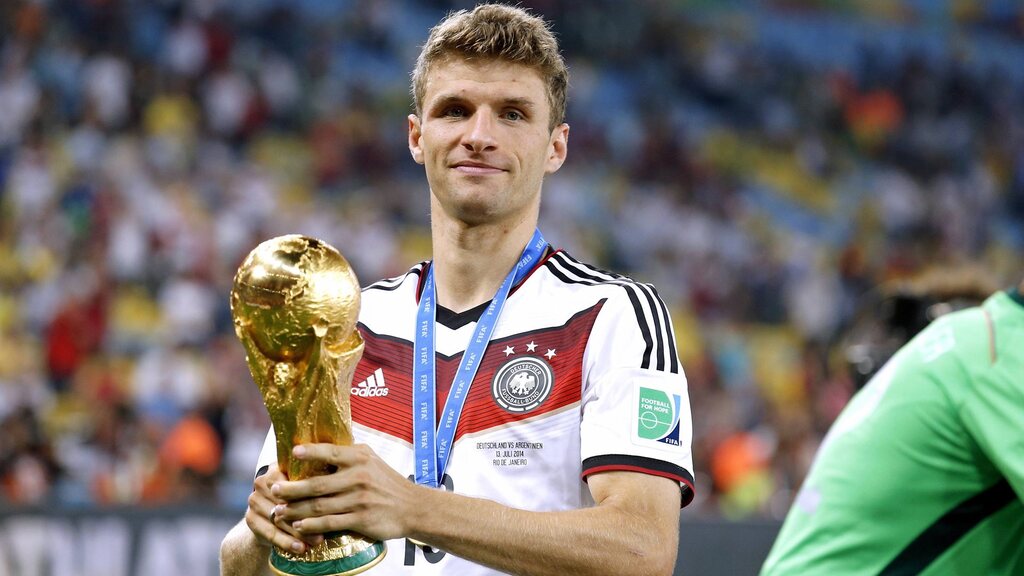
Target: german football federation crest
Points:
(522, 384)
(657, 416)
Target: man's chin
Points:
(475, 205)
(476, 215)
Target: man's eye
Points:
(513, 115)
(455, 112)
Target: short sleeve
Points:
(636, 410)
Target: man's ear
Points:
(558, 148)
(414, 138)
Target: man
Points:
(569, 450)
(893, 313)
(923, 472)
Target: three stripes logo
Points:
(372, 386)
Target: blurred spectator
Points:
(190, 458)
(27, 466)
(107, 82)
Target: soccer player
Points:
(568, 451)
(923, 472)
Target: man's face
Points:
(484, 141)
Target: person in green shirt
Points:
(923, 472)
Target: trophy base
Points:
(314, 564)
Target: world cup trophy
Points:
(295, 302)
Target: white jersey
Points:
(581, 376)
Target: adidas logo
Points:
(372, 386)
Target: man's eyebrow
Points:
(515, 101)
(446, 99)
(519, 103)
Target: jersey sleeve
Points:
(994, 415)
(636, 410)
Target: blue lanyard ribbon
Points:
(433, 448)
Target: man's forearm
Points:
(241, 554)
(606, 539)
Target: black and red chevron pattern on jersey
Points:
(393, 415)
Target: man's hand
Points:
(364, 495)
(633, 528)
(265, 520)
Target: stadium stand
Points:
(765, 164)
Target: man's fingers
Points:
(341, 456)
(328, 502)
(264, 519)
(314, 507)
(342, 481)
(262, 527)
(351, 472)
(263, 484)
(282, 523)
(331, 523)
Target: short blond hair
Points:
(497, 31)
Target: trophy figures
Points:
(295, 303)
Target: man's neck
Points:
(470, 262)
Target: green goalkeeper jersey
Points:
(923, 472)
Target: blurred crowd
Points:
(765, 164)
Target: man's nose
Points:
(479, 134)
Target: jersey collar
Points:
(1014, 293)
(548, 251)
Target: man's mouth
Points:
(476, 168)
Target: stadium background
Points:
(764, 164)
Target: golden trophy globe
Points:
(295, 302)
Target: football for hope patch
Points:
(657, 416)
